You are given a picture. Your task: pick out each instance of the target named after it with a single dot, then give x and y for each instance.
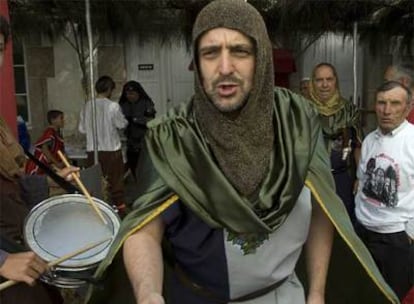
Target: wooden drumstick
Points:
(62, 259)
(82, 187)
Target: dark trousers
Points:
(394, 255)
(344, 188)
(113, 169)
(132, 161)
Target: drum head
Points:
(63, 224)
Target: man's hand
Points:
(57, 166)
(66, 173)
(153, 298)
(23, 267)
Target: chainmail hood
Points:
(241, 145)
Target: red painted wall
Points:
(7, 96)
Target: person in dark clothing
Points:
(138, 109)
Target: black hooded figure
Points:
(138, 109)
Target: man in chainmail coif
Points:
(239, 178)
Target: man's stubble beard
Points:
(228, 108)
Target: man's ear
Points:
(405, 81)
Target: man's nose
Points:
(387, 108)
(226, 64)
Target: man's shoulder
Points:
(370, 136)
(49, 130)
(407, 130)
(410, 127)
(289, 101)
(180, 112)
(408, 134)
(102, 100)
(107, 104)
(286, 94)
(98, 101)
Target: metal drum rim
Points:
(60, 199)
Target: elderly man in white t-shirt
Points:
(384, 204)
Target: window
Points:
(20, 80)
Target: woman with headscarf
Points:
(340, 120)
(138, 109)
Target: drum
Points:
(64, 224)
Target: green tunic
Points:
(179, 164)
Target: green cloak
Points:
(178, 165)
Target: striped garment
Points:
(54, 141)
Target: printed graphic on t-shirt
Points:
(382, 180)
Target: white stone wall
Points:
(65, 91)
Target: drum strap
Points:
(70, 188)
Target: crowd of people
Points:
(238, 180)
(376, 191)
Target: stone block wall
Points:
(40, 66)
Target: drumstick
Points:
(62, 259)
(82, 187)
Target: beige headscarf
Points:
(12, 158)
(241, 145)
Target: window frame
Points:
(26, 78)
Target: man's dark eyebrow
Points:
(242, 46)
(209, 48)
(231, 46)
